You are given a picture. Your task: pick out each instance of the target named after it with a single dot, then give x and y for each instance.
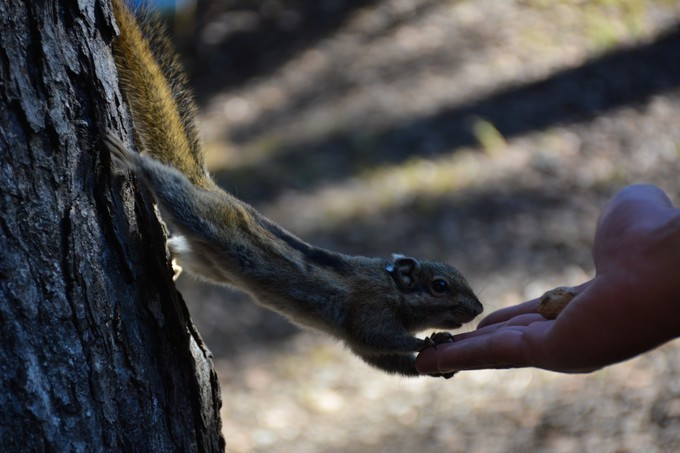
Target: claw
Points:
(443, 375)
(123, 157)
(428, 343)
(437, 338)
(447, 375)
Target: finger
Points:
(646, 193)
(507, 313)
(641, 201)
(504, 314)
(521, 320)
(504, 348)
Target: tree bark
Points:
(97, 350)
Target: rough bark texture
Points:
(97, 351)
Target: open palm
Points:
(631, 305)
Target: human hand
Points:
(631, 306)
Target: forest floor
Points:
(482, 133)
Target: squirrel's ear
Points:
(403, 270)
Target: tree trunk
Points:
(97, 351)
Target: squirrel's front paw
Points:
(437, 338)
(432, 341)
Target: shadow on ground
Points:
(624, 77)
(236, 41)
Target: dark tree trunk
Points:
(97, 351)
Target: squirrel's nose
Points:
(479, 308)
(472, 305)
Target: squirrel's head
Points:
(435, 294)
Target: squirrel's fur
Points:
(374, 305)
(155, 87)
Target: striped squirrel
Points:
(374, 305)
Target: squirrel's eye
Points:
(439, 286)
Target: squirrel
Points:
(374, 305)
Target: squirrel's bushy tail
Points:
(155, 88)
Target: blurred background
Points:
(485, 133)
